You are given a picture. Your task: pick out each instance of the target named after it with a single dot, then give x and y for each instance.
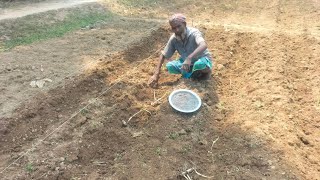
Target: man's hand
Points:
(186, 64)
(153, 81)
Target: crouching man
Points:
(195, 60)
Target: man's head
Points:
(178, 23)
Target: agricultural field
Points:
(75, 103)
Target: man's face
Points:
(177, 27)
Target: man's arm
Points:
(201, 47)
(153, 81)
(159, 65)
(165, 54)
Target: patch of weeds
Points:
(188, 130)
(173, 135)
(84, 111)
(221, 106)
(31, 29)
(118, 156)
(158, 151)
(29, 168)
(186, 149)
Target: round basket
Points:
(184, 100)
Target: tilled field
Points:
(259, 118)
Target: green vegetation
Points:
(173, 135)
(29, 168)
(118, 156)
(221, 106)
(158, 151)
(30, 29)
(139, 3)
(84, 111)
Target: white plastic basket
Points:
(185, 100)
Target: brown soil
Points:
(261, 105)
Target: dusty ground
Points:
(21, 9)
(261, 105)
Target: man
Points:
(195, 59)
